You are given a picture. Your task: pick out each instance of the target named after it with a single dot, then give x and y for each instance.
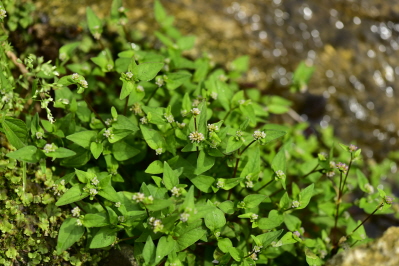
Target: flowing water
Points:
(354, 45)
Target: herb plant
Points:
(168, 154)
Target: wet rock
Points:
(383, 251)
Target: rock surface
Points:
(383, 251)
(120, 257)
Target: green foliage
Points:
(169, 155)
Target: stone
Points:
(383, 251)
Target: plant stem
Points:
(379, 206)
(265, 185)
(125, 109)
(196, 130)
(152, 94)
(246, 147)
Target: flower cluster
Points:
(159, 151)
(169, 118)
(144, 120)
(342, 167)
(196, 137)
(258, 135)
(249, 183)
(49, 148)
(76, 212)
(176, 192)
(3, 13)
(295, 204)
(352, 148)
(138, 197)
(108, 133)
(195, 111)
(156, 224)
(213, 128)
(280, 174)
(220, 183)
(184, 217)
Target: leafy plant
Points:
(171, 156)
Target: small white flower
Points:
(196, 137)
(330, 173)
(195, 111)
(369, 188)
(158, 151)
(95, 181)
(140, 88)
(121, 9)
(213, 127)
(138, 197)
(214, 144)
(110, 67)
(220, 183)
(39, 135)
(183, 113)
(117, 204)
(129, 75)
(214, 95)
(169, 118)
(157, 225)
(254, 216)
(296, 204)
(253, 256)
(121, 219)
(159, 81)
(144, 120)
(352, 148)
(108, 133)
(217, 234)
(175, 192)
(76, 212)
(180, 125)
(332, 164)
(79, 222)
(62, 56)
(84, 83)
(93, 192)
(280, 174)
(249, 184)
(97, 35)
(257, 249)
(3, 13)
(136, 108)
(196, 102)
(241, 102)
(296, 233)
(64, 101)
(49, 148)
(150, 199)
(259, 135)
(222, 77)
(277, 244)
(75, 76)
(108, 121)
(184, 217)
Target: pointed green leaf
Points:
(104, 237)
(69, 233)
(73, 194)
(83, 138)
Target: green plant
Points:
(170, 155)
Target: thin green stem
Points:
(196, 130)
(265, 185)
(354, 230)
(246, 147)
(126, 106)
(346, 176)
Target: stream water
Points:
(354, 45)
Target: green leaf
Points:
(127, 88)
(147, 71)
(156, 167)
(285, 202)
(123, 151)
(287, 239)
(81, 158)
(149, 251)
(272, 221)
(202, 182)
(159, 204)
(96, 149)
(312, 259)
(215, 220)
(189, 234)
(170, 177)
(272, 135)
(83, 138)
(269, 237)
(224, 244)
(104, 237)
(16, 131)
(95, 220)
(253, 164)
(29, 154)
(175, 80)
(305, 195)
(94, 23)
(204, 163)
(165, 246)
(186, 42)
(66, 50)
(252, 201)
(69, 233)
(73, 194)
(292, 222)
(153, 138)
(227, 207)
(240, 64)
(60, 153)
(233, 144)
